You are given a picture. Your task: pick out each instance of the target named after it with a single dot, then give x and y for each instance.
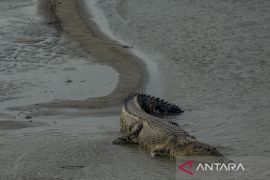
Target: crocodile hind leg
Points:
(163, 150)
(129, 137)
(160, 151)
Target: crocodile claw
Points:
(154, 154)
(119, 141)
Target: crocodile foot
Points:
(119, 141)
(159, 152)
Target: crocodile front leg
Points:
(127, 138)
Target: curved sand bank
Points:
(67, 17)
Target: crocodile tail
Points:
(129, 97)
(156, 106)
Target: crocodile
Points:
(149, 122)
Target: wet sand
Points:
(39, 66)
(213, 61)
(68, 18)
(76, 148)
(9, 125)
(220, 76)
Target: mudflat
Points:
(68, 18)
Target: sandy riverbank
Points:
(38, 66)
(67, 17)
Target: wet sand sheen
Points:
(10, 125)
(67, 17)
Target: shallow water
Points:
(39, 66)
(212, 60)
